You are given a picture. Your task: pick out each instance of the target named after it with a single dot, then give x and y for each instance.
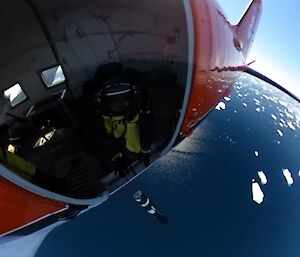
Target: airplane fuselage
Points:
(203, 45)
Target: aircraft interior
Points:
(55, 58)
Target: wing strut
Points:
(270, 81)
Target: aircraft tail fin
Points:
(246, 28)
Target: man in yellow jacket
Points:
(122, 117)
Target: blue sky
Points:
(276, 46)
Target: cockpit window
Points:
(15, 94)
(53, 76)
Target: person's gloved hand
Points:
(122, 169)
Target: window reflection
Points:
(53, 76)
(43, 140)
(15, 94)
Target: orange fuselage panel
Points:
(214, 51)
(20, 207)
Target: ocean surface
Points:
(231, 189)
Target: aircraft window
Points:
(53, 76)
(15, 94)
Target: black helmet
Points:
(117, 96)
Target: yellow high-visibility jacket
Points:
(17, 164)
(119, 127)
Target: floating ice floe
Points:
(283, 121)
(289, 115)
(257, 193)
(288, 176)
(263, 177)
(291, 126)
(274, 117)
(283, 103)
(257, 102)
(220, 106)
(280, 133)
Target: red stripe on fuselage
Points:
(19, 207)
